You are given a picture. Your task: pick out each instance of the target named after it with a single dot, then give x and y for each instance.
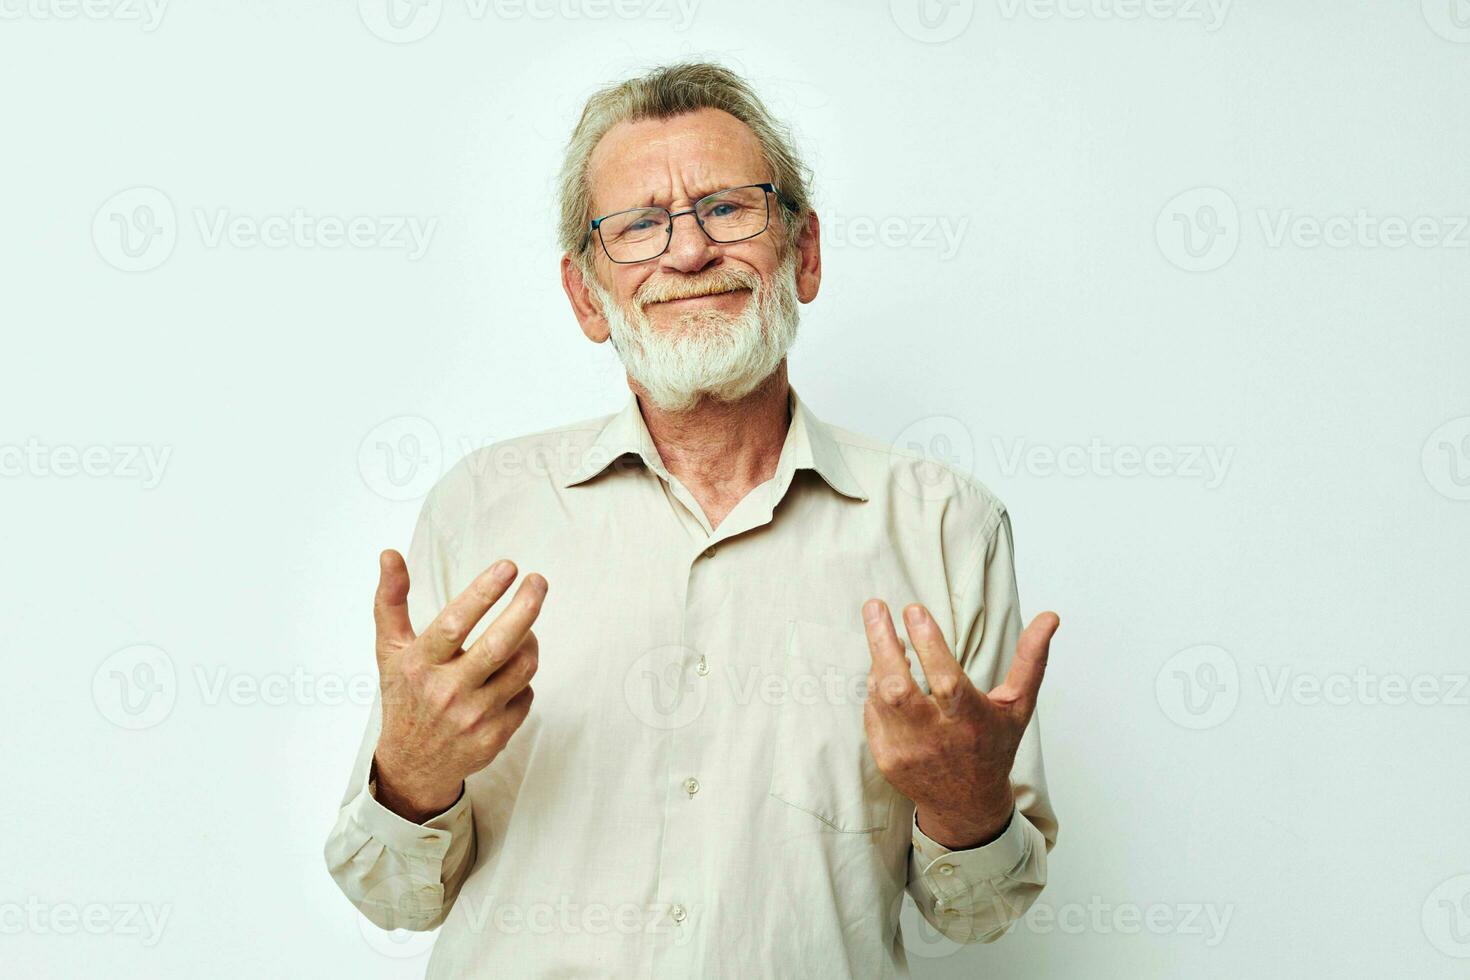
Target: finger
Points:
(519, 706)
(502, 721)
(504, 636)
(890, 684)
(946, 679)
(390, 603)
(444, 636)
(1023, 680)
(514, 676)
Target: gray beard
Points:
(707, 352)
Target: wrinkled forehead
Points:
(658, 161)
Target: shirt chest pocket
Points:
(821, 762)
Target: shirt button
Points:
(691, 786)
(709, 552)
(946, 869)
(678, 914)
(701, 668)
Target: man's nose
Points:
(690, 249)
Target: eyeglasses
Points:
(730, 215)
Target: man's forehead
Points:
(702, 151)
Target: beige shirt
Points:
(692, 794)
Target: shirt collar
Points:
(809, 445)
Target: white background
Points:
(299, 389)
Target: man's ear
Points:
(585, 306)
(809, 261)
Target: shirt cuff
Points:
(403, 836)
(992, 860)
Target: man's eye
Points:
(640, 226)
(723, 210)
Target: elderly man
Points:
(734, 766)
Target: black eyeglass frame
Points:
(768, 187)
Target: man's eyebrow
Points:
(704, 190)
(700, 191)
(649, 200)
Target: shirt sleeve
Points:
(399, 874)
(976, 895)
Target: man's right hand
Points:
(448, 711)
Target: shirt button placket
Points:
(688, 817)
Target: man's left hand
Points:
(949, 751)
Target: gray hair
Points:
(663, 93)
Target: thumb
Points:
(390, 604)
(1023, 680)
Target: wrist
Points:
(974, 827)
(412, 799)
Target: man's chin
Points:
(673, 323)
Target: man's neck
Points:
(719, 450)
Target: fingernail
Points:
(500, 569)
(913, 615)
(870, 611)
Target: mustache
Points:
(662, 290)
